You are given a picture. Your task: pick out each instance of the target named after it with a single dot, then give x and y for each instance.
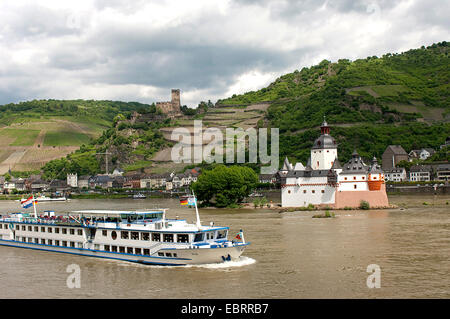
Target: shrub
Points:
(364, 205)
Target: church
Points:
(325, 182)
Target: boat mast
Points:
(198, 223)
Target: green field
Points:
(23, 137)
(65, 138)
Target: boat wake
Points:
(242, 261)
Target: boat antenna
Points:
(198, 223)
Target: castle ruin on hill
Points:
(173, 107)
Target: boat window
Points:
(104, 233)
(124, 235)
(168, 255)
(50, 230)
(146, 251)
(137, 251)
(30, 228)
(221, 234)
(43, 241)
(174, 255)
(135, 235)
(113, 235)
(56, 242)
(64, 243)
(161, 254)
(145, 236)
(156, 237)
(114, 249)
(168, 238)
(72, 244)
(64, 231)
(72, 231)
(50, 242)
(199, 237)
(97, 247)
(129, 250)
(80, 245)
(182, 238)
(24, 228)
(209, 235)
(35, 228)
(56, 230)
(106, 248)
(121, 249)
(80, 232)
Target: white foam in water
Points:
(242, 261)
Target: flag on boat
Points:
(27, 202)
(191, 201)
(188, 201)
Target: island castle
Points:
(324, 182)
(173, 107)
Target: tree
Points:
(226, 185)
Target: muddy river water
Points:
(291, 255)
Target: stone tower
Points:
(176, 102)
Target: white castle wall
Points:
(347, 182)
(300, 192)
(323, 159)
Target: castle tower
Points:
(176, 99)
(324, 150)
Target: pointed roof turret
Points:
(287, 166)
(325, 140)
(336, 164)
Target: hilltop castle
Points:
(325, 182)
(173, 107)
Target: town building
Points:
(443, 172)
(393, 155)
(420, 173)
(83, 181)
(396, 174)
(72, 180)
(421, 154)
(324, 181)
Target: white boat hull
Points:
(189, 256)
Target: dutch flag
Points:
(27, 202)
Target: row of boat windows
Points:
(158, 237)
(56, 230)
(135, 235)
(108, 248)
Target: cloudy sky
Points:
(139, 50)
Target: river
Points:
(291, 255)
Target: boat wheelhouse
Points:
(145, 236)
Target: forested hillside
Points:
(370, 103)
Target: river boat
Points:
(141, 236)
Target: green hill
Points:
(35, 132)
(370, 103)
